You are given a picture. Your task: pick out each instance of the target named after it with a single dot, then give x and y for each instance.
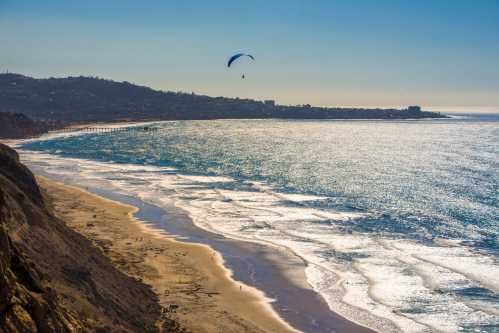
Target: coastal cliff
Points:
(18, 125)
(51, 278)
(27, 304)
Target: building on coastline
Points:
(414, 108)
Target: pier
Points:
(105, 130)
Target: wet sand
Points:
(190, 280)
(192, 284)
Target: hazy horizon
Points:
(442, 55)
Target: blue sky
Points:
(440, 53)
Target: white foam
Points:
(385, 283)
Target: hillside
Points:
(87, 99)
(18, 125)
(52, 279)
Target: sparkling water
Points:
(397, 220)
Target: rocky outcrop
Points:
(51, 278)
(27, 304)
(18, 125)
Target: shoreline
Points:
(160, 198)
(196, 286)
(282, 262)
(269, 272)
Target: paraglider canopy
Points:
(237, 56)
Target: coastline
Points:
(62, 169)
(190, 280)
(279, 275)
(276, 277)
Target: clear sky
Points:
(439, 53)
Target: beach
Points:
(247, 286)
(192, 284)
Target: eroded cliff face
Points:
(27, 304)
(51, 278)
(18, 125)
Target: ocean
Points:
(396, 220)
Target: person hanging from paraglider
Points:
(236, 57)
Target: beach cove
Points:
(191, 279)
(273, 294)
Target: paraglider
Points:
(238, 56)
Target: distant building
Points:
(269, 102)
(414, 108)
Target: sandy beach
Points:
(194, 283)
(190, 280)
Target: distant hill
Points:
(88, 99)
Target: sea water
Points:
(397, 220)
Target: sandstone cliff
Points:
(51, 278)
